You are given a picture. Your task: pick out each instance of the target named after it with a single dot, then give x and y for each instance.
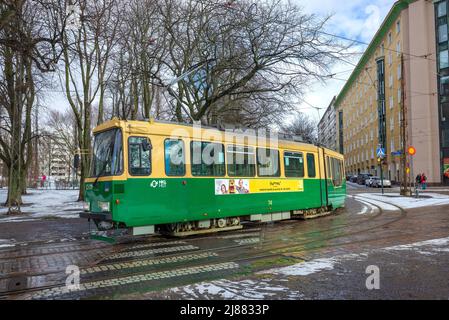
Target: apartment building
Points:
(327, 128)
(404, 71)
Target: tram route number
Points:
(229, 310)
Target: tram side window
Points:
(337, 172)
(207, 159)
(174, 158)
(294, 165)
(139, 153)
(311, 165)
(268, 163)
(241, 161)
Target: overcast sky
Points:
(354, 19)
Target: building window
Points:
(444, 86)
(442, 33)
(391, 102)
(442, 9)
(399, 72)
(445, 112)
(389, 38)
(399, 95)
(444, 59)
(445, 141)
(398, 26)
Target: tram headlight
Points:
(104, 206)
(86, 206)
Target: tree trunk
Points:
(14, 200)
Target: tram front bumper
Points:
(96, 216)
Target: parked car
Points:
(377, 183)
(362, 178)
(370, 180)
(353, 179)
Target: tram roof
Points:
(174, 129)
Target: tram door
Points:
(334, 173)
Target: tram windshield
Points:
(107, 157)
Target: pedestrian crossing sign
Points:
(380, 153)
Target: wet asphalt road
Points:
(328, 259)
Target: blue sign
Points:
(380, 152)
(396, 153)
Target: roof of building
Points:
(330, 106)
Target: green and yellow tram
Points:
(149, 177)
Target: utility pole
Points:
(404, 185)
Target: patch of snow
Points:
(235, 290)
(41, 204)
(429, 247)
(386, 201)
(304, 268)
(383, 205)
(4, 243)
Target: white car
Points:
(370, 180)
(377, 183)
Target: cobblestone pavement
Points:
(323, 258)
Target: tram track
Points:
(272, 251)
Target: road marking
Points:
(55, 292)
(149, 262)
(243, 235)
(248, 241)
(156, 244)
(140, 253)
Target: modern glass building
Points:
(441, 27)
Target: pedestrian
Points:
(418, 180)
(424, 181)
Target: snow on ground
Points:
(388, 201)
(270, 286)
(40, 204)
(4, 243)
(235, 290)
(429, 247)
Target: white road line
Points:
(130, 254)
(121, 281)
(148, 262)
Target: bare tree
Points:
(264, 51)
(136, 60)
(302, 126)
(29, 38)
(87, 50)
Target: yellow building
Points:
(399, 68)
